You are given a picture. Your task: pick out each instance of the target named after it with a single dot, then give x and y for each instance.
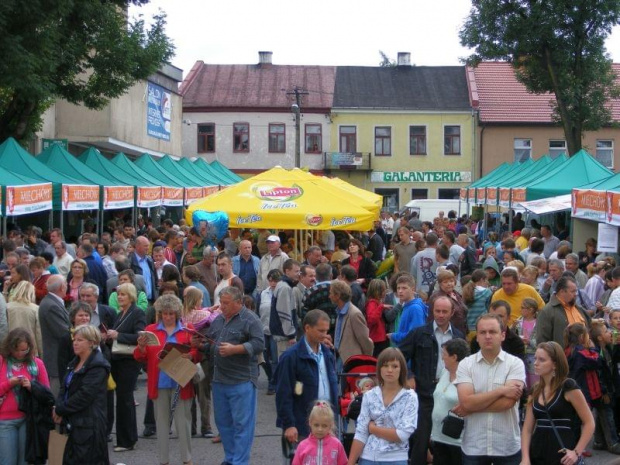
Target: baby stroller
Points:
(354, 369)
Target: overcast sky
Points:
(321, 32)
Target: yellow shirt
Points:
(515, 300)
(521, 243)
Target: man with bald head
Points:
(54, 321)
(143, 265)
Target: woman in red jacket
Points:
(374, 315)
(161, 388)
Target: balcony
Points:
(338, 161)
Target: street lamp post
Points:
(297, 112)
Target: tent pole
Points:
(61, 225)
(51, 219)
(486, 224)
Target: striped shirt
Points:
(491, 433)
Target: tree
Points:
(555, 46)
(83, 51)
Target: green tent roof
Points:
(612, 183)
(511, 172)
(206, 178)
(172, 167)
(536, 168)
(121, 162)
(500, 169)
(148, 165)
(200, 163)
(17, 160)
(205, 171)
(578, 170)
(62, 161)
(96, 161)
(233, 177)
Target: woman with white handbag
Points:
(125, 369)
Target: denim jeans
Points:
(492, 459)
(271, 360)
(381, 462)
(235, 416)
(605, 432)
(13, 442)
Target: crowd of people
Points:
(491, 346)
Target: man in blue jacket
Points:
(306, 372)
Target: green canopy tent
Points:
(233, 177)
(471, 189)
(578, 170)
(76, 197)
(491, 181)
(172, 188)
(193, 179)
(206, 173)
(200, 163)
(15, 159)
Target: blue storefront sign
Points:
(158, 112)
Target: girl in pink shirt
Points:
(321, 447)
(18, 367)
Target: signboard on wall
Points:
(346, 159)
(47, 143)
(158, 112)
(607, 238)
(421, 176)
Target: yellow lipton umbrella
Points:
(283, 199)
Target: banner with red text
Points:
(492, 196)
(172, 196)
(149, 197)
(23, 200)
(211, 190)
(613, 208)
(80, 197)
(115, 197)
(589, 204)
(481, 195)
(192, 193)
(463, 194)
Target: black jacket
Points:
(37, 405)
(421, 350)
(84, 412)
(367, 270)
(128, 327)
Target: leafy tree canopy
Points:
(555, 46)
(83, 51)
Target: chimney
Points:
(264, 58)
(404, 59)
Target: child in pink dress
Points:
(321, 440)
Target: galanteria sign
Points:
(420, 176)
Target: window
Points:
(605, 152)
(417, 140)
(348, 136)
(556, 148)
(206, 138)
(277, 138)
(448, 194)
(523, 149)
(452, 140)
(418, 194)
(390, 198)
(241, 137)
(314, 138)
(383, 141)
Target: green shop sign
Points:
(421, 176)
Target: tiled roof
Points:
(441, 88)
(261, 87)
(500, 98)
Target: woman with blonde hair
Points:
(22, 312)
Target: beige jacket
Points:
(355, 339)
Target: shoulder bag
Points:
(580, 459)
(452, 425)
(118, 348)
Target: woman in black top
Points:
(557, 397)
(125, 369)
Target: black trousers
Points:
(149, 415)
(419, 441)
(445, 453)
(125, 373)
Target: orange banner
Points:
(471, 195)
(172, 196)
(613, 208)
(491, 195)
(149, 197)
(481, 196)
(504, 197)
(589, 204)
(115, 197)
(463, 194)
(210, 190)
(192, 193)
(23, 200)
(80, 197)
(518, 196)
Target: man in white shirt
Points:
(272, 260)
(490, 384)
(62, 260)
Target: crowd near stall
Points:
(385, 338)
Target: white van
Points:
(428, 209)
